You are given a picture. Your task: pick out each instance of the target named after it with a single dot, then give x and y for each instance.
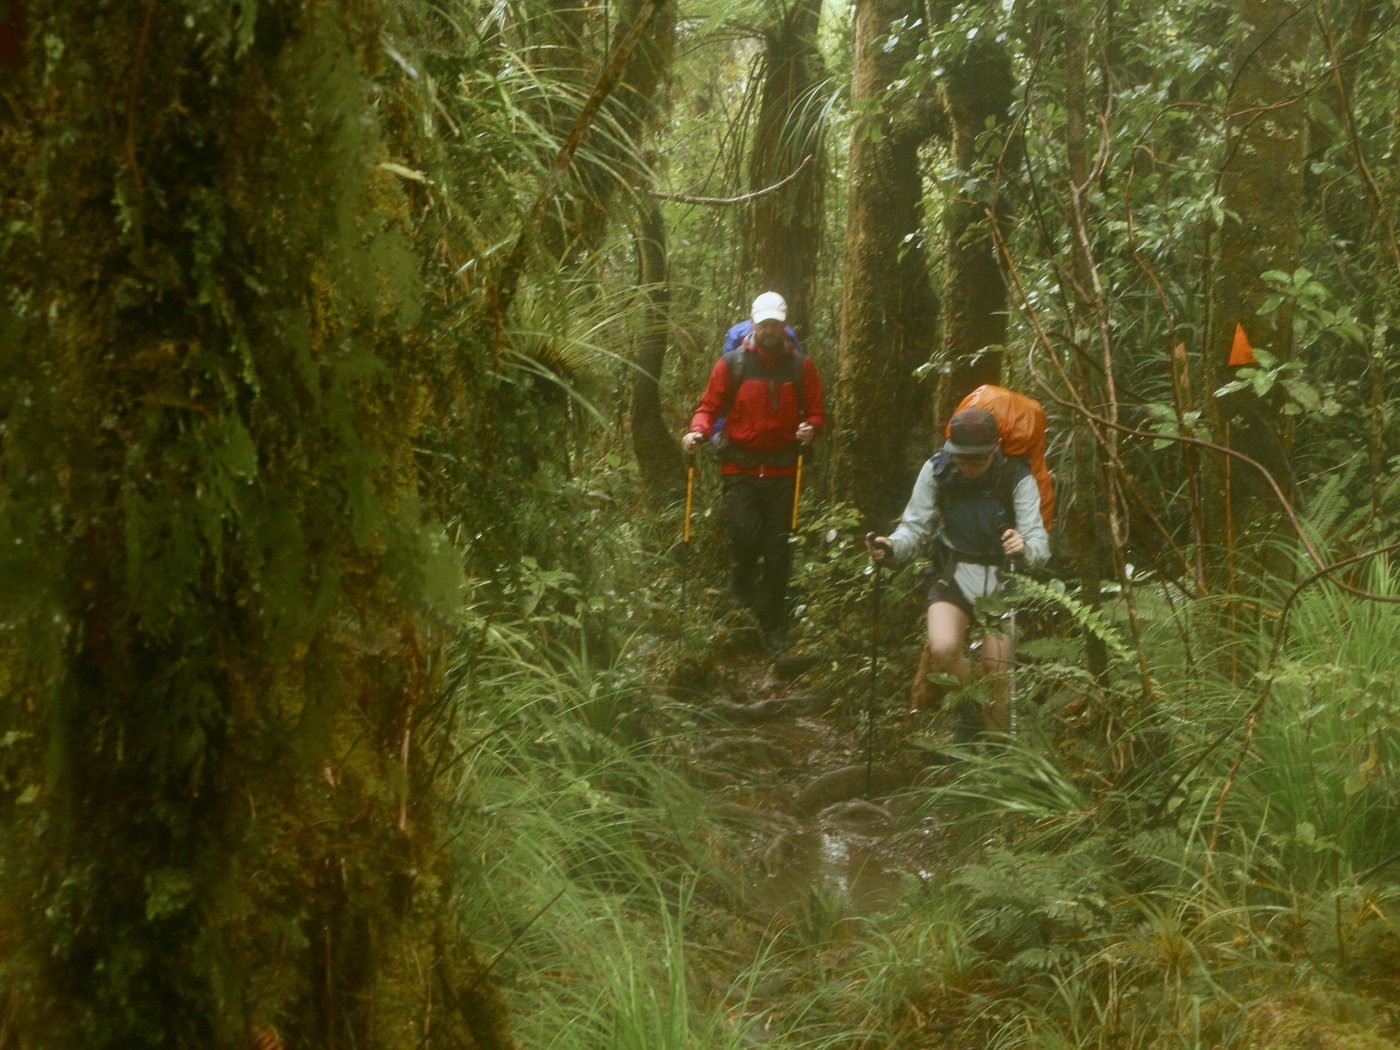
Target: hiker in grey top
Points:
(981, 509)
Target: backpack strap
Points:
(1005, 479)
(1004, 489)
(735, 362)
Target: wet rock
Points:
(833, 786)
(857, 812)
(848, 782)
(779, 853)
(754, 712)
(754, 751)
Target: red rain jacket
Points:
(763, 417)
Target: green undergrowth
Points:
(1215, 863)
(594, 871)
(605, 892)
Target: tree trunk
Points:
(222, 629)
(888, 310)
(563, 44)
(612, 164)
(978, 88)
(1088, 532)
(658, 456)
(1262, 195)
(783, 242)
(625, 90)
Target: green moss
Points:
(214, 392)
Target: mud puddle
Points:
(821, 826)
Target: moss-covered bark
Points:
(978, 89)
(783, 244)
(888, 310)
(1261, 184)
(658, 456)
(222, 588)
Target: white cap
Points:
(770, 306)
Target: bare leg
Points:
(921, 692)
(947, 631)
(996, 665)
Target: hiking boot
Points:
(966, 732)
(967, 728)
(775, 640)
(743, 590)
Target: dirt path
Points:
(819, 818)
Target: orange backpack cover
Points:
(1021, 421)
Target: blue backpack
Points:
(743, 329)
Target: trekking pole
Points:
(796, 491)
(685, 530)
(1011, 671)
(874, 671)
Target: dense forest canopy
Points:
(358, 670)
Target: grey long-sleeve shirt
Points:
(922, 520)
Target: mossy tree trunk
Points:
(563, 43)
(888, 310)
(783, 242)
(658, 455)
(978, 89)
(1088, 526)
(223, 595)
(1261, 185)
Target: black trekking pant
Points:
(760, 558)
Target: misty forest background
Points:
(355, 672)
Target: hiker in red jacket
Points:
(770, 396)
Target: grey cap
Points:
(972, 432)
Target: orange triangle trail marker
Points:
(1241, 353)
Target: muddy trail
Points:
(789, 764)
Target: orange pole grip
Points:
(796, 491)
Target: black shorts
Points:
(941, 590)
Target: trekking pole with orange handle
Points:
(796, 491)
(1010, 591)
